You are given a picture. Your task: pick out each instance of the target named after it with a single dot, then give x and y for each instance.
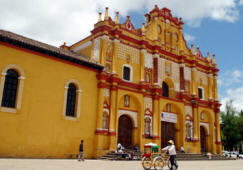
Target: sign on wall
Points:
(168, 117)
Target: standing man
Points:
(172, 153)
(81, 151)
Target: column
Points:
(113, 116)
(194, 88)
(104, 41)
(210, 86)
(115, 51)
(182, 78)
(99, 117)
(155, 116)
(195, 122)
(142, 55)
(155, 64)
(215, 87)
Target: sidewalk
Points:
(71, 164)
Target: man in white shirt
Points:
(172, 152)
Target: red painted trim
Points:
(155, 137)
(47, 56)
(112, 133)
(102, 85)
(155, 62)
(101, 132)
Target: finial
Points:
(208, 57)
(117, 18)
(214, 60)
(198, 48)
(99, 18)
(106, 13)
(192, 48)
(156, 6)
(143, 28)
(128, 17)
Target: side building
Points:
(118, 85)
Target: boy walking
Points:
(81, 151)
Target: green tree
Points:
(230, 127)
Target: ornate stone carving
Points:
(97, 50)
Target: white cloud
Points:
(189, 37)
(230, 77)
(70, 20)
(236, 95)
(195, 11)
(241, 2)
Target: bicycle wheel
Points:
(158, 163)
(147, 163)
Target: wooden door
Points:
(203, 139)
(167, 133)
(125, 132)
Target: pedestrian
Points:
(172, 152)
(81, 151)
(182, 149)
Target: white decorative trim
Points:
(206, 126)
(132, 115)
(131, 72)
(106, 110)
(96, 49)
(82, 46)
(116, 41)
(9, 110)
(156, 56)
(20, 87)
(79, 92)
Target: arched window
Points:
(10, 89)
(147, 126)
(165, 88)
(126, 73)
(71, 100)
(105, 121)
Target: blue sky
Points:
(213, 25)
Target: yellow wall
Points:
(39, 128)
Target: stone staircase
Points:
(132, 155)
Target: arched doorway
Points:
(203, 139)
(167, 133)
(125, 131)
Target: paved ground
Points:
(71, 164)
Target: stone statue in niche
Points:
(126, 101)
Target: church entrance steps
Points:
(132, 155)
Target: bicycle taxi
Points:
(152, 157)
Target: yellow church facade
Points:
(118, 85)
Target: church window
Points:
(10, 89)
(127, 73)
(71, 100)
(147, 126)
(165, 89)
(200, 93)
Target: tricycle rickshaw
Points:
(152, 157)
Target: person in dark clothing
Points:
(81, 151)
